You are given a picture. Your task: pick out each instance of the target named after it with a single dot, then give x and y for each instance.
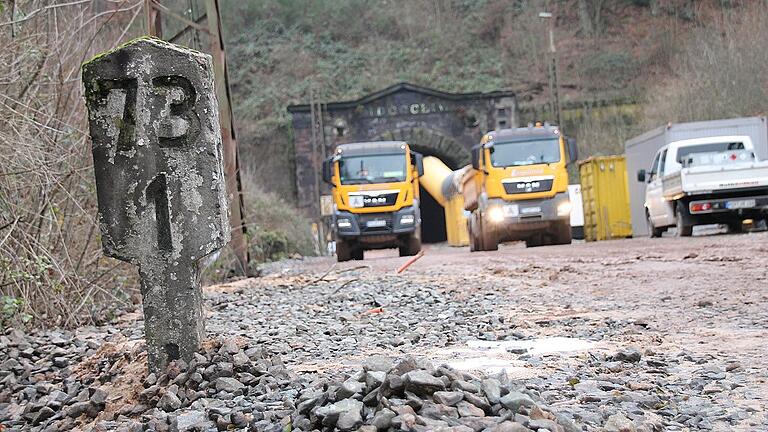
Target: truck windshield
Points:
(685, 153)
(372, 169)
(530, 152)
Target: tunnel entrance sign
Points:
(157, 155)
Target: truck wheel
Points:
(684, 227)
(735, 227)
(488, 239)
(652, 230)
(343, 251)
(472, 241)
(535, 241)
(411, 247)
(357, 253)
(475, 241)
(562, 234)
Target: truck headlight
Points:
(495, 214)
(343, 223)
(564, 208)
(407, 220)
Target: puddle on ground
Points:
(534, 346)
(495, 356)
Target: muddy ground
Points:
(695, 309)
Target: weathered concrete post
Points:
(158, 160)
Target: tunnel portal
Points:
(435, 123)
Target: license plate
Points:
(376, 223)
(356, 201)
(530, 210)
(739, 204)
(511, 210)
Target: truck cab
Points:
(518, 187)
(704, 181)
(376, 197)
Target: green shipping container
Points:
(605, 197)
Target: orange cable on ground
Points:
(410, 261)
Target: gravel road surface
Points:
(628, 335)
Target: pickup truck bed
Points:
(707, 179)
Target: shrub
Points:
(719, 74)
(607, 69)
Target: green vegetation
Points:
(343, 49)
(12, 312)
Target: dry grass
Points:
(720, 74)
(51, 266)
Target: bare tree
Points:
(51, 268)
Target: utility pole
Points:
(239, 243)
(554, 82)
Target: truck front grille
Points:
(380, 222)
(527, 186)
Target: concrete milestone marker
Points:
(158, 160)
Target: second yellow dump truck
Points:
(517, 188)
(375, 197)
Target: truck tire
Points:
(411, 247)
(488, 239)
(652, 230)
(343, 251)
(684, 226)
(735, 227)
(561, 234)
(472, 239)
(357, 253)
(475, 240)
(534, 241)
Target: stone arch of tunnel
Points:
(431, 143)
(434, 122)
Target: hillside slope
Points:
(279, 49)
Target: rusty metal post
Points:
(239, 242)
(154, 21)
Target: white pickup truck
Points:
(713, 180)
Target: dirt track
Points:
(694, 309)
(632, 335)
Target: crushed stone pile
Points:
(59, 384)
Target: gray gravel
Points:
(665, 341)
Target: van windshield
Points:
(684, 153)
(387, 168)
(528, 152)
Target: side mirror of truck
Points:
(641, 176)
(328, 170)
(418, 161)
(573, 150)
(476, 152)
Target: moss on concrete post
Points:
(158, 160)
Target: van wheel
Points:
(343, 251)
(411, 247)
(684, 228)
(652, 230)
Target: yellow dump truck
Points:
(517, 188)
(376, 197)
